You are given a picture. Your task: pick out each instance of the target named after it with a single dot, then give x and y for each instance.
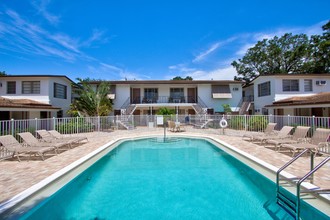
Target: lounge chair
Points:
(283, 133)
(298, 136)
(171, 125)
(47, 137)
(318, 140)
(60, 136)
(268, 131)
(17, 150)
(30, 140)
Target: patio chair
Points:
(12, 145)
(317, 141)
(268, 131)
(30, 140)
(283, 133)
(47, 137)
(298, 136)
(171, 125)
(60, 136)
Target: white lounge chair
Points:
(17, 150)
(317, 141)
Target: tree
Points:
(277, 55)
(319, 59)
(165, 111)
(3, 73)
(90, 101)
(180, 78)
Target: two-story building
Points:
(290, 94)
(140, 97)
(34, 96)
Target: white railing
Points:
(78, 125)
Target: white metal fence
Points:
(108, 123)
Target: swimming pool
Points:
(148, 179)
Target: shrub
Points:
(75, 126)
(257, 123)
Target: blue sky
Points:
(144, 40)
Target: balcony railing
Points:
(163, 99)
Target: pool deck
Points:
(16, 176)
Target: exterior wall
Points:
(64, 104)
(260, 102)
(205, 93)
(279, 94)
(42, 97)
(122, 94)
(46, 94)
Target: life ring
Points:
(223, 123)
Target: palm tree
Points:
(90, 101)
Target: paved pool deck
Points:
(16, 176)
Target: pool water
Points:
(147, 179)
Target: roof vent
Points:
(321, 82)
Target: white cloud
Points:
(41, 6)
(204, 54)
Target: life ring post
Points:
(223, 124)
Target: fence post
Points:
(117, 122)
(313, 124)
(77, 125)
(289, 121)
(35, 132)
(133, 121)
(54, 123)
(12, 126)
(245, 124)
(98, 123)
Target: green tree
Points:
(180, 78)
(3, 73)
(319, 59)
(277, 55)
(165, 111)
(226, 108)
(91, 101)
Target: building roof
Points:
(43, 76)
(24, 104)
(177, 82)
(320, 98)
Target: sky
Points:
(144, 39)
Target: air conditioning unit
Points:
(321, 82)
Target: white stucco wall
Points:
(205, 93)
(122, 94)
(46, 94)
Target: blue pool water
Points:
(143, 179)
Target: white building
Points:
(140, 97)
(34, 96)
(288, 94)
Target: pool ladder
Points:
(288, 201)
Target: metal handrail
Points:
(310, 173)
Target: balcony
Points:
(163, 99)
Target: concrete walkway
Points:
(17, 176)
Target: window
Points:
(176, 92)
(290, 85)
(150, 93)
(264, 89)
(308, 85)
(60, 91)
(31, 87)
(11, 87)
(221, 92)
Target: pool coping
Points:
(109, 146)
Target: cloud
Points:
(41, 7)
(204, 54)
(20, 36)
(111, 72)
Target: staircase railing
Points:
(293, 206)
